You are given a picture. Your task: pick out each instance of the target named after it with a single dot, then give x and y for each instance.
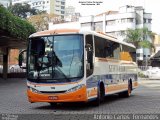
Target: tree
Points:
(139, 37)
(14, 26)
(133, 36)
(22, 10)
(40, 21)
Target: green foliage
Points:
(133, 35)
(138, 37)
(23, 10)
(145, 44)
(14, 25)
(141, 75)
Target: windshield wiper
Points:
(63, 74)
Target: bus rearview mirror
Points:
(21, 59)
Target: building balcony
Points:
(98, 18)
(147, 15)
(120, 27)
(86, 19)
(120, 16)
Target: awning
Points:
(156, 56)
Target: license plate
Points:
(53, 97)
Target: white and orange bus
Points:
(70, 65)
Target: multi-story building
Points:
(155, 59)
(21, 1)
(50, 6)
(70, 10)
(5, 3)
(71, 15)
(156, 43)
(116, 23)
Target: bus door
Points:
(89, 55)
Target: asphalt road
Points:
(13, 100)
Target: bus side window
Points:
(89, 50)
(128, 53)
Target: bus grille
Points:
(52, 91)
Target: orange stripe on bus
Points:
(108, 60)
(112, 88)
(135, 84)
(76, 96)
(92, 92)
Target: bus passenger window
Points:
(105, 48)
(128, 53)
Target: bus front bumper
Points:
(76, 96)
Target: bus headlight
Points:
(34, 90)
(75, 88)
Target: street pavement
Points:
(144, 100)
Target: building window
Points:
(144, 20)
(130, 20)
(149, 20)
(62, 12)
(110, 22)
(47, 1)
(62, 3)
(62, 7)
(138, 54)
(43, 2)
(123, 20)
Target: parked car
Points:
(152, 73)
(16, 68)
(13, 67)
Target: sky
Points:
(151, 6)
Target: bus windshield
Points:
(56, 58)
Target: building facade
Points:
(116, 23)
(5, 3)
(50, 6)
(71, 15)
(156, 43)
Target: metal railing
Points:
(144, 68)
(14, 70)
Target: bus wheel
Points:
(53, 104)
(128, 92)
(100, 95)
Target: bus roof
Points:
(78, 31)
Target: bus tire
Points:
(128, 92)
(100, 94)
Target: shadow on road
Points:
(81, 105)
